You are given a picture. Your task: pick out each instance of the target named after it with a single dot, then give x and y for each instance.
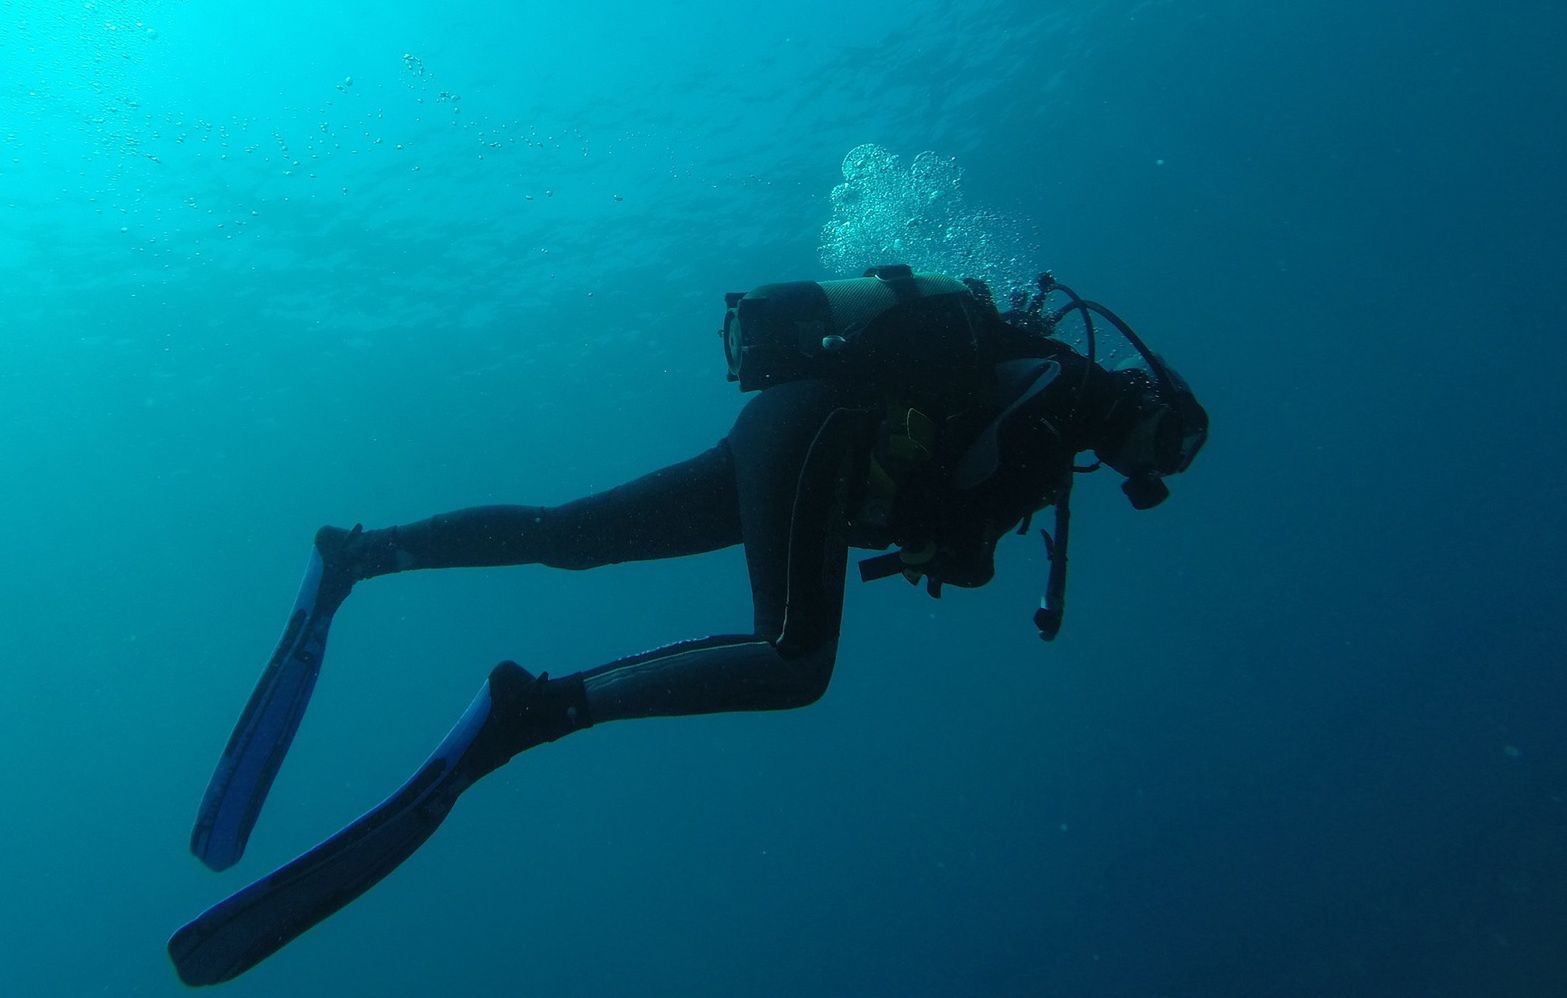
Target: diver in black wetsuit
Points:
(940, 455)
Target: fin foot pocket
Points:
(525, 711)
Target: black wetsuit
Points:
(781, 483)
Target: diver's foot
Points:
(340, 567)
(525, 710)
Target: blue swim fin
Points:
(266, 729)
(236, 934)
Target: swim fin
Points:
(236, 934)
(265, 730)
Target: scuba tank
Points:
(924, 333)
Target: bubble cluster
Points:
(888, 212)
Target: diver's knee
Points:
(810, 671)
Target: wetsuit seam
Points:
(794, 518)
(662, 657)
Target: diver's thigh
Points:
(792, 445)
(686, 508)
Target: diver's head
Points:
(1154, 429)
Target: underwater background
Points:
(268, 266)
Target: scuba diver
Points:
(896, 411)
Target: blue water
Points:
(273, 266)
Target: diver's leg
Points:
(687, 508)
(791, 449)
